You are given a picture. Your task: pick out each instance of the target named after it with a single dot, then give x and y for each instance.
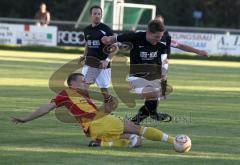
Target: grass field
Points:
(205, 105)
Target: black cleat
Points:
(96, 143)
(142, 114)
(164, 117)
(138, 118)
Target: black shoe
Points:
(93, 143)
(138, 118)
(142, 114)
(161, 117)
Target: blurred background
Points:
(204, 104)
(215, 13)
(209, 25)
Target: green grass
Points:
(47, 49)
(205, 105)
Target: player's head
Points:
(43, 7)
(76, 80)
(96, 14)
(159, 18)
(155, 31)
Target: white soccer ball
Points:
(182, 143)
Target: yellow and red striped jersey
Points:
(81, 107)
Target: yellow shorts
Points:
(106, 128)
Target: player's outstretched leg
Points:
(147, 132)
(155, 135)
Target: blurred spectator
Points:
(42, 16)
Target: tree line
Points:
(215, 13)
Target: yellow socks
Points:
(155, 135)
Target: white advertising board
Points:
(223, 44)
(28, 35)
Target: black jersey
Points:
(93, 37)
(145, 58)
(166, 38)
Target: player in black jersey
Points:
(147, 67)
(97, 63)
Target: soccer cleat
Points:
(94, 143)
(140, 116)
(161, 117)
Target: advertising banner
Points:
(28, 35)
(223, 44)
(68, 36)
(8, 33)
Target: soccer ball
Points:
(182, 143)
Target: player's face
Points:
(153, 38)
(79, 83)
(43, 7)
(96, 15)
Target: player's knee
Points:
(150, 93)
(131, 128)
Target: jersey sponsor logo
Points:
(93, 43)
(148, 55)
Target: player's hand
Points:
(82, 60)
(105, 40)
(203, 53)
(103, 64)
(16, 120)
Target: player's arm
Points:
(108, 40)
(83, 58)
(41, 111)
(111, 50)
(188, 48)
(125, 37)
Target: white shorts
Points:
(102, 77)
(138, 84)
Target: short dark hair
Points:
(43, 3)
(73, 77)
(94, 7)
(155, 26)
(157, 17)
